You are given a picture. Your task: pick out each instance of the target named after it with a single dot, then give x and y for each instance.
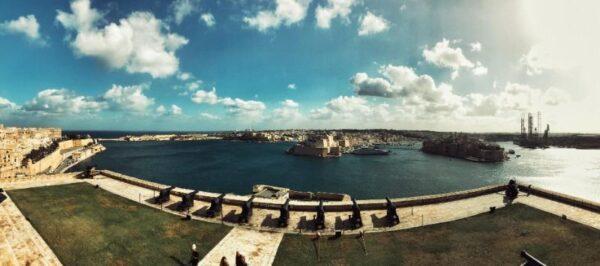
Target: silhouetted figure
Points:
(240, 260)
(195, 256)
(512, 191)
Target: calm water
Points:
(221, 166)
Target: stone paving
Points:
(258, 248)
(575, 214)
(38, 181)
(20, 243)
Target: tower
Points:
(529, 125)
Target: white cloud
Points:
(182, 8)
(62, 101)
(26, 25)
(442, 55)
(479, 69)
(136, 43)
(194, 85)
(354, 111)
(6, 104)
(287, 12)
(475, 46)
(173, 111)
(208, 19)
(291, 86)
(288, 113)
(184, 76)
(514, 97)
(334, 9)
(209, 97)
(538, 59)
(209, 116)
(128, 98)
(372, 24)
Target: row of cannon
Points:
(216, 208)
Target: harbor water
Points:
(234, 167)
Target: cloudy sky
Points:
(233, 64)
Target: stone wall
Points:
(570, 200)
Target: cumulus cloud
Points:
(287, 12)
(371, 24)
(26, 25)
(182, 8)
(6, 104)
(475, 46)
(209, 97)
(138, 43)
(128, 98)
(208, 19)
(403, 82)
(537, 60)
(514, 97)
(62, 101)
(353, 110)
(174, 110)
(442, 55)
(288, 113)
(333, 9)
(184, 76)
(479, 69)
(209, 116)
(291, 86)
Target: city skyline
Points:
(231, 65)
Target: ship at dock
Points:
(370, 151)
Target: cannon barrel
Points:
(356, 218)
(187, 201)
(392, 215)
(284, 214)
(164, 195)
(530, 260)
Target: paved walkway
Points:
(573, 213)
(20, 244)
(259, 248)
(38, 181)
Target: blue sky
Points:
(214, 65)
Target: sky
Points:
(471, 66)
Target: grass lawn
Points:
(486, 239)
(88, 226)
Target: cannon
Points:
(164, 195)
(284, 214)
(187, 201)
(530, 260)
(89, 172)
(320, 219)
(355, 219)
(216, 206)
(246, 211)
(392, 216)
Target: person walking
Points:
(195, 256)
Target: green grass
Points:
(88, 226)
(487, 239)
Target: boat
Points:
(370, 151)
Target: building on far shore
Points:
(320, 146)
